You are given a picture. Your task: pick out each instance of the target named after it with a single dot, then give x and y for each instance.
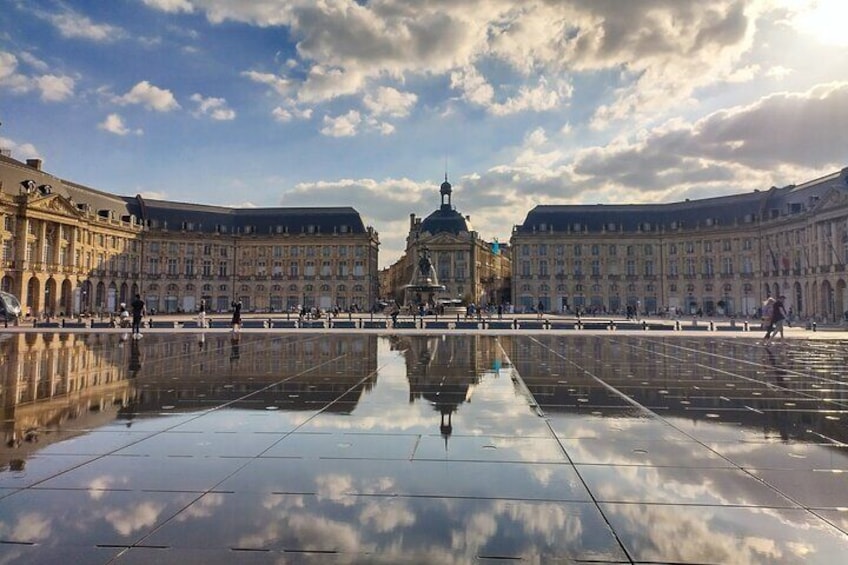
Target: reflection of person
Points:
(201, 343)
(137, 306)
(235, 351)
(236, 322)
(135, 357)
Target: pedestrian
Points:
(201, 314)
(540, 310)
(778, 315)
(236, 322)
(138, 312)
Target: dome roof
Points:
(445, 220)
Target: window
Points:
(578, 250)
(649, 267)
(309, 270)
(578, 267)
(207, 268)
(690, 247)
(673, 267)
(630, 267)
(708, 247)
(525, 268)
(596, 250)
(172, 267)
(649, 250)
(222, 269)
(747, 245)
(543, 268)
(689, 266)
(727, 265)
(725, 245)
(596, 267)
(543, 249)
(672, 249)
(630, 251)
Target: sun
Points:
(824, 20)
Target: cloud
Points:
(388, 101)
(341, 126)
(115, 124)
(76, 26)
(170, 6)
(151, 97)
(20, 150)
(282, 114)
(278, 84)
(54, 88)
(215, 108)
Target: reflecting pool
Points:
(358, 448)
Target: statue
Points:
(424, 264)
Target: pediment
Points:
(55, 204)
(442, 239)
(834, 198)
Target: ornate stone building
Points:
(68, 249)
(470, 268)
(714, 256)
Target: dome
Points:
(445, 220)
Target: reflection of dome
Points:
(445, 220)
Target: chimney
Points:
(34, 163)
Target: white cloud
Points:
(76, 26)
(151, 97)
(115, 124)
(387, 101)
(54, 88)
(171, 6)
(278, 84)
(215, 108)
(341, 126)
(282, 114)
(20, 150)
(8, 65)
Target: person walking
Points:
(201, 314)
(138, 312)
(236, 322)
(778, 316)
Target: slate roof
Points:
(209, 219)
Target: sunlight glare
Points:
(825, 20)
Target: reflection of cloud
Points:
(701, 528)
(203, 508)
(385, 519)
(98, 486)
(31, 526)
(135, 517)
(335, 488)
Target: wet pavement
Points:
(463, 448)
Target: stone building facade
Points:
(716, 256)
(67, 249)
(471, 269)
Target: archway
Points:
(124, 292)
(66, 303)
(50, 297)
(85, 297)
(827, 300)
(799, 300)
(7, 283)
(33, 297)
(112, 297)
(100, 296)
(839, 300)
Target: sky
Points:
(370, 103)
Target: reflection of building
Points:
(287, 372)
(717, 255)
(55, 381)
(676, 379)
(470, 268)
(67, 248)
(446, 371)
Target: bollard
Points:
(712, 326)
(745, 326)
(677, 325)
(644, 325)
